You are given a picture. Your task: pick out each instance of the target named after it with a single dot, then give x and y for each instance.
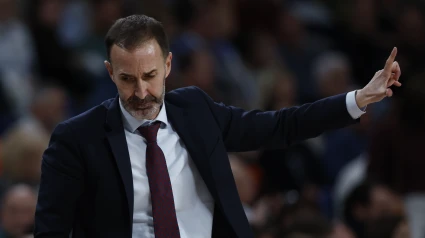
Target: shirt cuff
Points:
(354, 110)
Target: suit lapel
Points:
(185, 127)
(117, 141)
(182, 122)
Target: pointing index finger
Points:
(390, 60)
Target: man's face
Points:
(139, 75)
(384, 202)
(17, 212)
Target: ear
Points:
(109, 68)
(168, 64)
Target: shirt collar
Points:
(131, 124)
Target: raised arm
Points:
(252, 130)
(243, 131)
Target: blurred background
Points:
(364, 181)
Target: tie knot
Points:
(150, 132)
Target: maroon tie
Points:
(163, 210)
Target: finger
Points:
(389, 92)
(393, 81)
(398, 70)
(390, 60)
(395, 69)
(393, 77)
(390, 82)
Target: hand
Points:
(378, 88)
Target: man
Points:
(154, 164)
(17, 211)
(367, 202)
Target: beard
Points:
(144, 109)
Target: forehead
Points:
(145, 56)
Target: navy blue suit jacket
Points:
(87, 186)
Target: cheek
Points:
(124, 89)
(156, 87)
(124, 93)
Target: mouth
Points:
(141, 108)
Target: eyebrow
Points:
(144, 74)
(125, 74)
(150, 72)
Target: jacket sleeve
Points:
(251, 130)
(61, 185)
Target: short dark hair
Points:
(384, 226)
(132, 31)
(360, 195)
(308, 223)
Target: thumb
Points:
(389, 92)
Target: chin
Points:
(145, 114)
(140, 115)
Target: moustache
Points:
(134, 100)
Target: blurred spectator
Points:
(295, 170)
(214, 24)
(75, 23)
(297, 52)
(333, 73)
(354, 172)
(411, 28)
(55, 62)
(267, 212)
(369, 201)
(350, 176)
(92, 52)
(22, 150)
(196, 67)
(16, 59)
(48, 108)
(308, 224)
(388, 227)
(260, 52)
(316, 16)
(103, 14)
(396, 154)
(358, 34)
(340, 230)
(282, 92)
(17, 212)
(245, 184)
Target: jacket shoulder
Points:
(185, 96)
(93, 117)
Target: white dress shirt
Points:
(193, 202)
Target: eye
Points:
(126, 78)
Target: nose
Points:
(141, 90)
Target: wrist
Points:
(362, 99)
